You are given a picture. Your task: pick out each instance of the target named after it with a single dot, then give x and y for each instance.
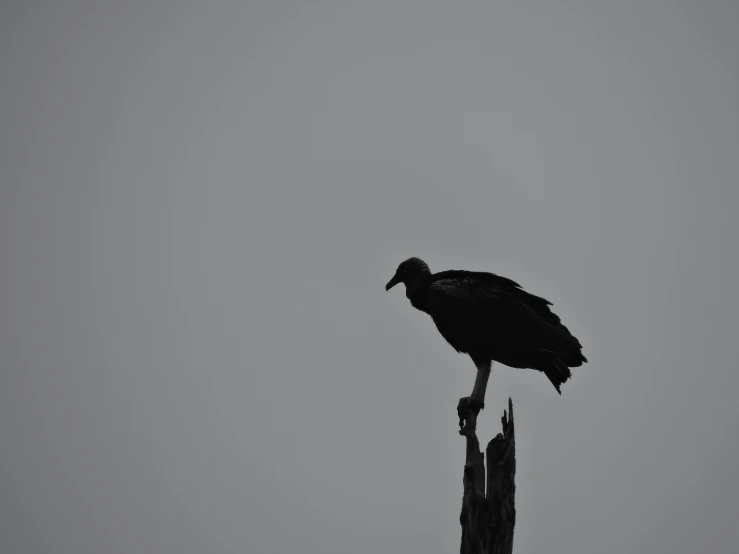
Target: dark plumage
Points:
(492, 318)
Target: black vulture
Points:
(491, 318)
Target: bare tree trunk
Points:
(489, 513)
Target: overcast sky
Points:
(200, 205)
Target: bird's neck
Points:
(415, 291)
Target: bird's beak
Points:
(392, 282)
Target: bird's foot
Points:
(467, 410)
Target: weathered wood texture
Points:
(488, 512)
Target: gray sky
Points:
(202, 201)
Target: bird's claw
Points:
(467, 410)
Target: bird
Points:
(490, 318)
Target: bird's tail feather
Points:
(556, 371)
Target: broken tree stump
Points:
(488, 512)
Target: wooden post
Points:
(488, 512)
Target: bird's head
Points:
(408, 271)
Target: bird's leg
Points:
(470, 406)
(481, 384)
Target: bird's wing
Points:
(467, 305)
(483, 307)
